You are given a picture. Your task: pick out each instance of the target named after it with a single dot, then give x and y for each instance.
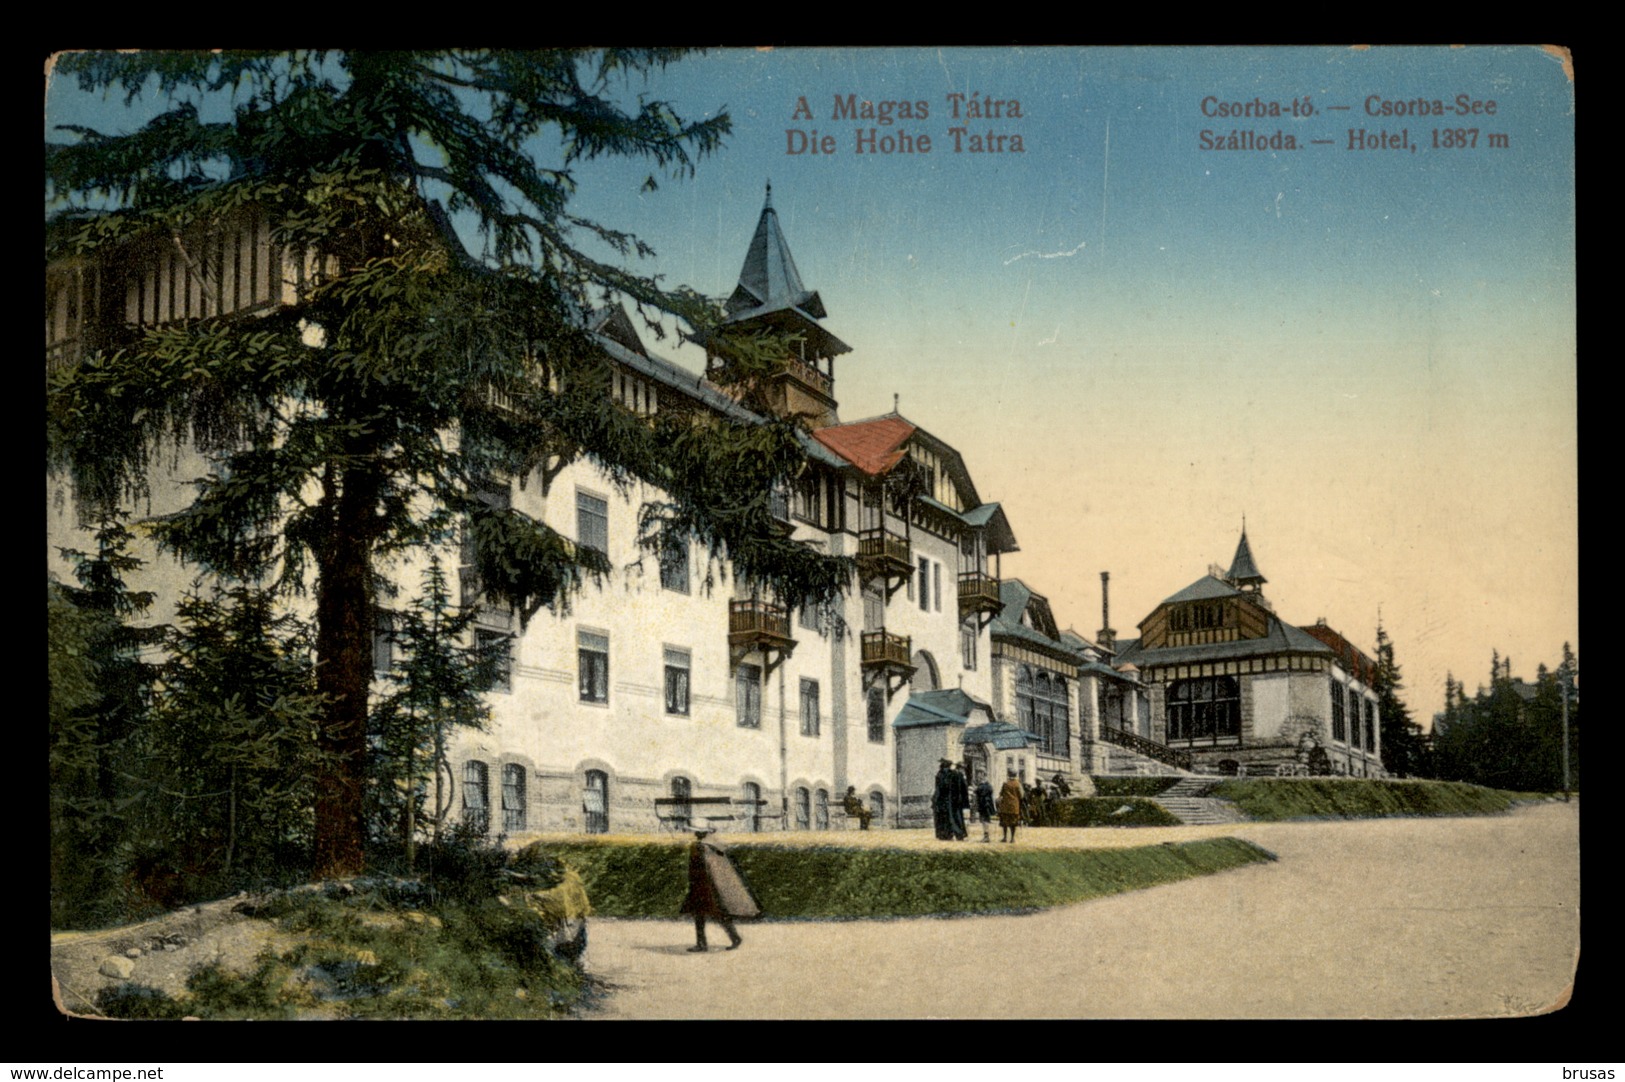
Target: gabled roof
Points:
(1000, 538)
(874, 446)
(1203, 589)
(943, 707)
(1002, 735)
(1351, 657)
(1018, 598)
(1282, 637)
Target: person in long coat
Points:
(960, 803)
(984, 806)
(1010, 807)
(942, 798)
(715, 890)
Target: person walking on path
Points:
(715, 890)
(984, 807)
(1010, 806)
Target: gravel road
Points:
(1395, 918)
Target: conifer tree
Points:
(359, 421)
(436, 686)
(99, 694)
(1403, 751)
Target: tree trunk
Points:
(344, 674)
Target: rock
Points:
(134, 952)
(115, 966)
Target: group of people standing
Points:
(1015, 804)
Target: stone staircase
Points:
(1188, 801)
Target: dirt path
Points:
(1401, 918)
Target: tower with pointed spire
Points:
(1244, 573)
(771, 297)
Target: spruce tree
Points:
(360, 420)
(98, 696)
(1403, 751)
(436, 687)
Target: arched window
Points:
(1208, 708)
(877, 804)
(477, 795)
(752, 810)
(821, 810)
(803, 809)
(595, 802)
(1043, 706)
(513, 798)
(682, 791)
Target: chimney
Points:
(1106, 638)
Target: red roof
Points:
(1350, 656)
(872, 446)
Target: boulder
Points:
(117, 966)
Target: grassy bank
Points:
(1114, 785)
(1111, 811)
(638, 879)
(1360, 798)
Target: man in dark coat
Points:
(942, 801)
(715, 890)
(960, 803)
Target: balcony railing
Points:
(1162, 753)
(753, 621)
(978, 592)
(882, 648)
(808, 375)
(879, 550)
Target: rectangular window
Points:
(967, 644)
(936, 587)
(674, 568)
(748, 695)
(677, 669)
(809, 707)
(1338, 731)
(925, 584)
(592, 522)
(877, 715)
(592, 655)
(811, 617)
(497, 646)
(1370, 725)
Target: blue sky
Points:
(1134, 341)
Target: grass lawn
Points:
(630, 878)
(1362, 798)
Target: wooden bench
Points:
(681, 817)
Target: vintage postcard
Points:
(642, 534)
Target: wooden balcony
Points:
(808, 376)
(886, 656)
(978, 595)
(757, 626)
(882, 553)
